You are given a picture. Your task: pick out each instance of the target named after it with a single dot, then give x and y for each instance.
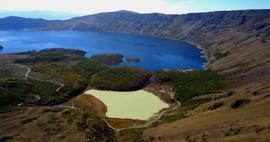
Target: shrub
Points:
(108, 59)
(121, 79)
(194, 83)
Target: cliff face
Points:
(236, 43)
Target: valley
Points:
(43, 89)
(40, 86)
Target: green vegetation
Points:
(75, 76)
(51, 55)
(180, 113)
(108, 59)
(193, 103)
(177, 116)
(83, 67)
(188, 85)
(59, 51)
(39, 58)
(67, 66)
(121, 79)
(191, 84)
(87, 68)
(13, 92)
(73, 70)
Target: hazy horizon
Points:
(83, 7)
(56, 15)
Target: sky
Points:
(84, 7)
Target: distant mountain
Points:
(9, 23)
(48, 15)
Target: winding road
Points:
(147, 124)
(156, 118)
(61, 85)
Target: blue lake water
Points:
(156, 53)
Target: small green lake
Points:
(139, 105)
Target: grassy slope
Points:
(55, 124)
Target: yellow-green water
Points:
(129, 105)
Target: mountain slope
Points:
(236, 43)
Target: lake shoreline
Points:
(130, 123)
(98, 95)
(204, 55)
(203, 52)
(179, 54)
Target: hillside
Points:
(223, 34)
(236, 42)
(232, 105)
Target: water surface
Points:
(156, 53)
(139, 105)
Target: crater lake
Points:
(156, 53)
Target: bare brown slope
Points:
(249, 123)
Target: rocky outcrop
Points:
(239, 103)
(216, 106)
